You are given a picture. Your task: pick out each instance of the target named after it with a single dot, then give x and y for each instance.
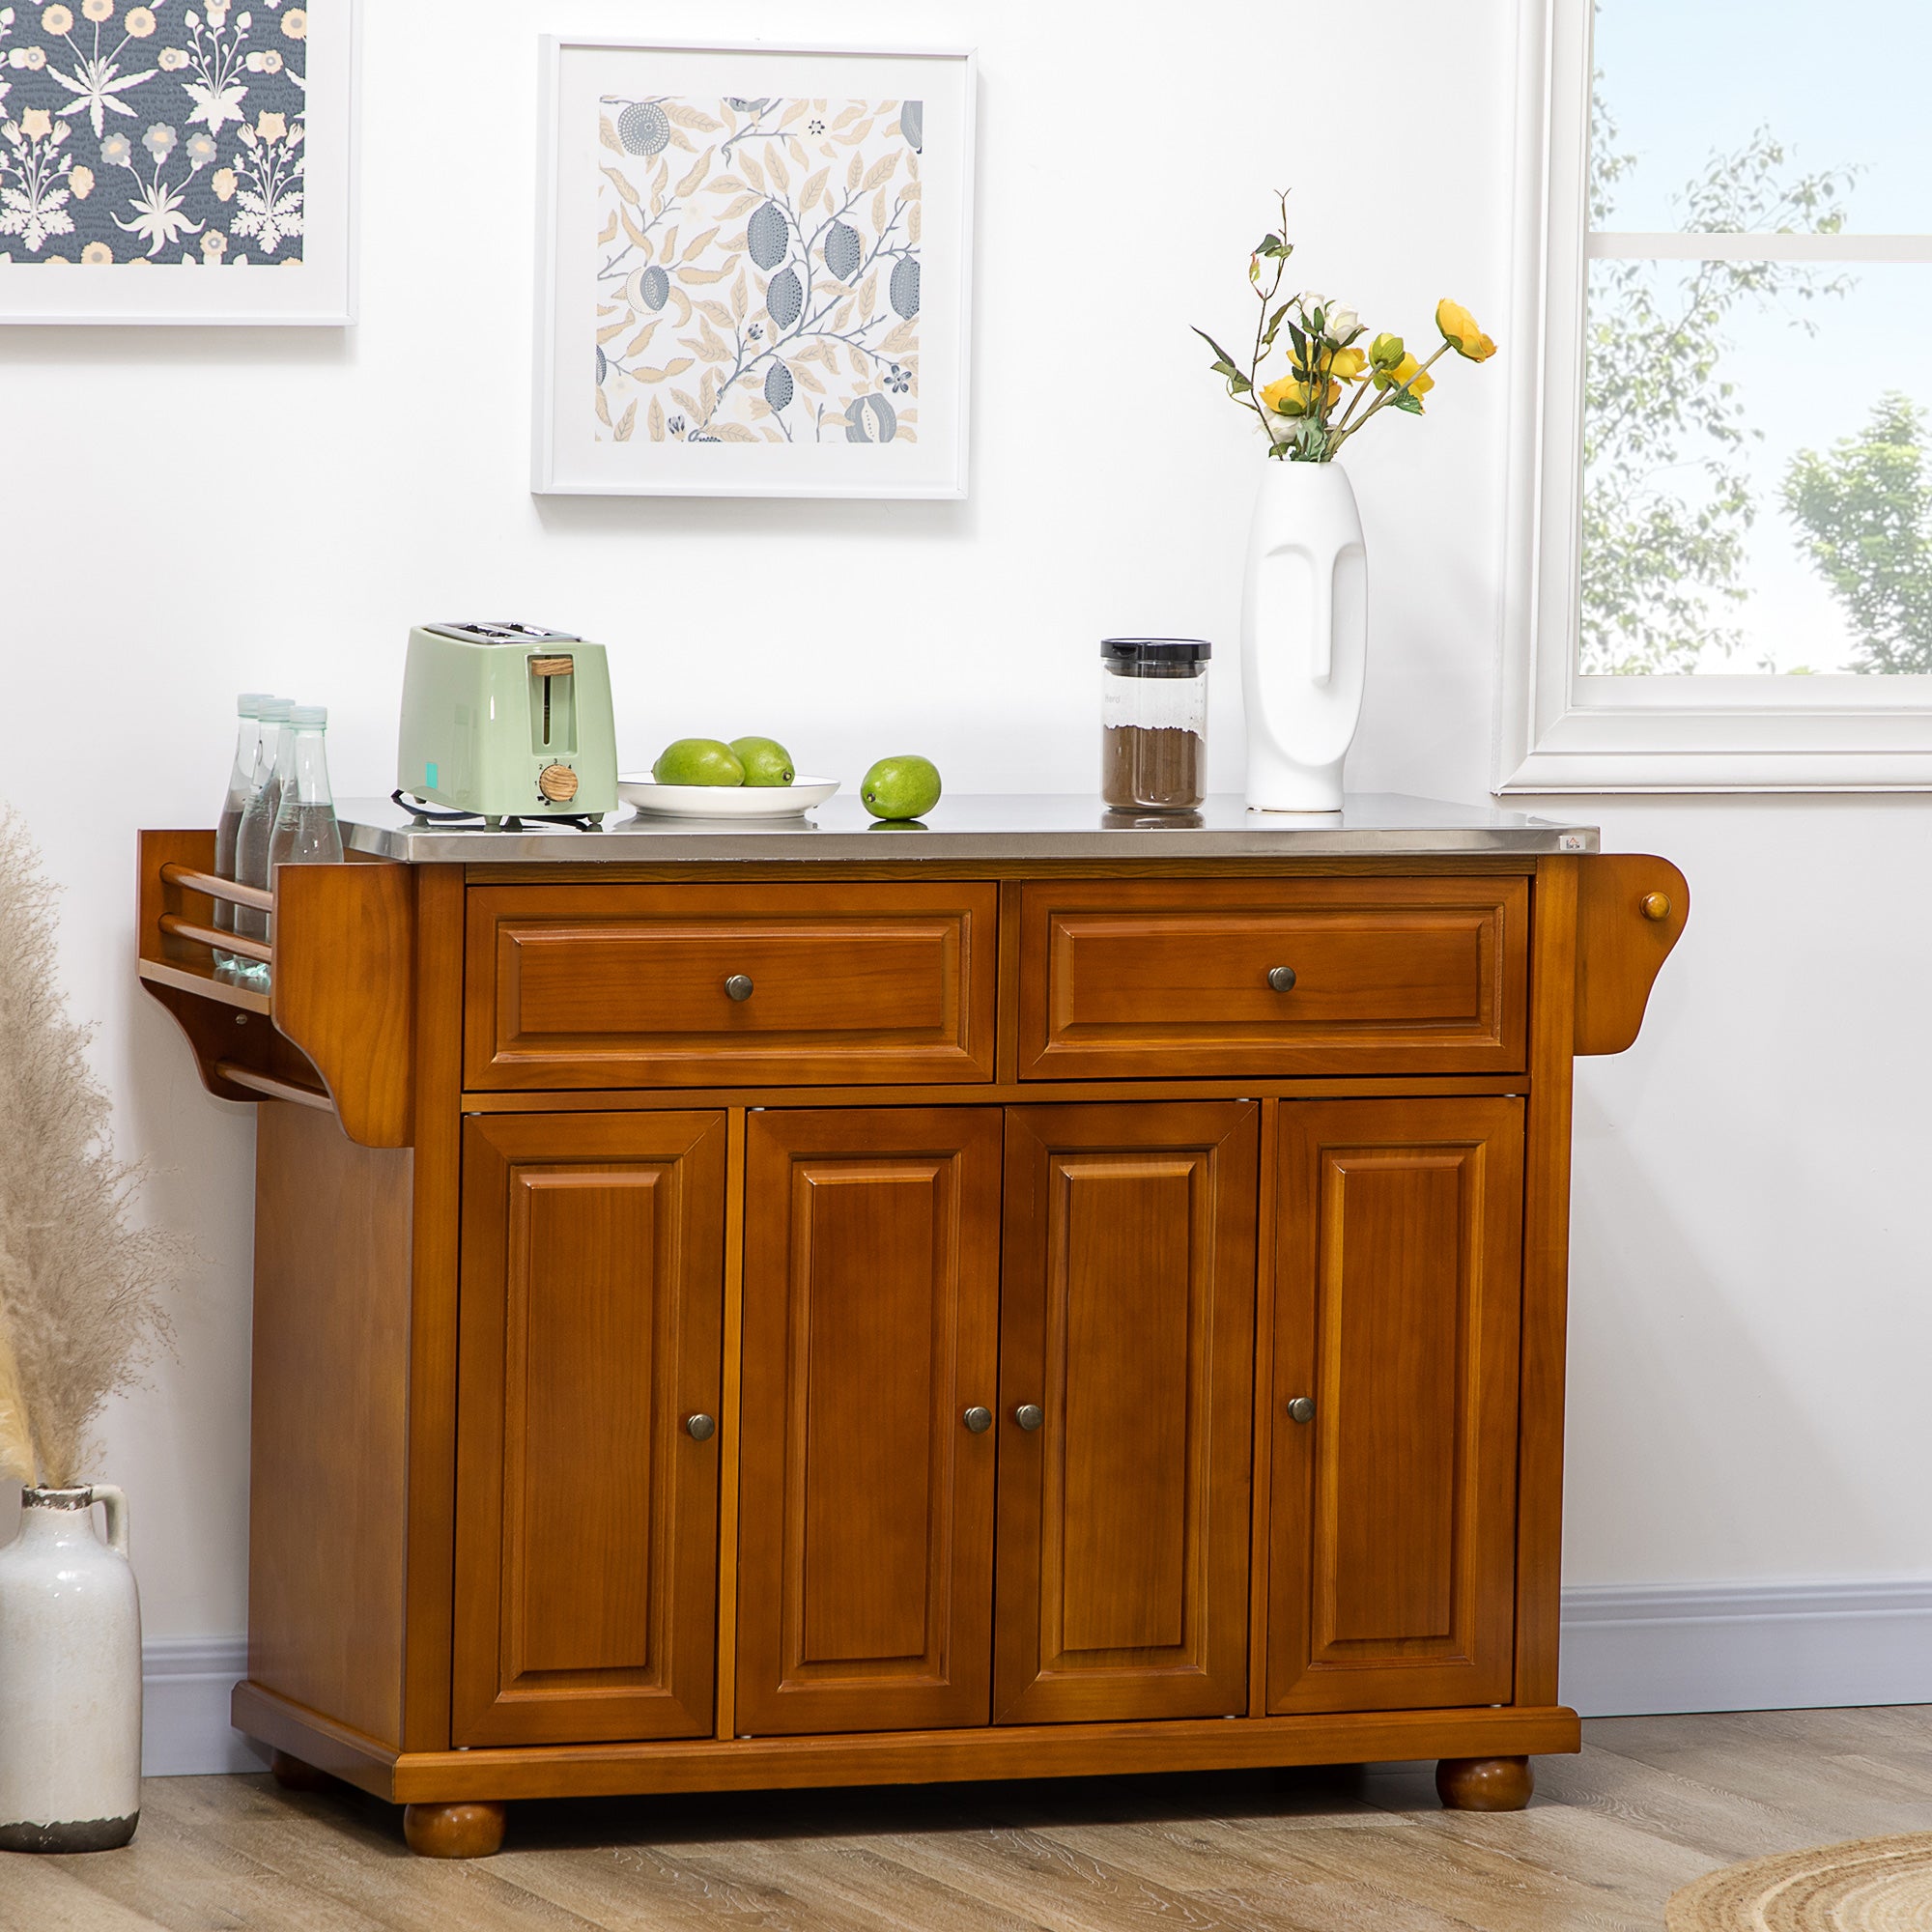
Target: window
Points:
(1722, 513)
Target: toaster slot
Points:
(552, 705)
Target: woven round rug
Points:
(1871, 1884)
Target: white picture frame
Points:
(679, 235)
(312, 287)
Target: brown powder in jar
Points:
(1156, 766)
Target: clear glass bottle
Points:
(1153, 723)
(305, 828)
(245, 779)
(258, 825)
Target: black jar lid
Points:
(1156, 654)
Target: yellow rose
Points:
(57, 20)
(81, 181)
(37, 123)
(1348, 364)
(294, 24)
(1408, 370)
(272, 127)
(1293, 397)
(140, 22)
(97, 252)
(1459, 330)
(222, 181)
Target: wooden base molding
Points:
(898, 1758)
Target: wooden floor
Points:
(1652, 1802)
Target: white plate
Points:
(724, 801)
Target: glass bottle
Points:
(243, 780)
(305, 827)
(258, 825)
(1153, 723)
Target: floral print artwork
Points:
(167, 132)
(758, 270)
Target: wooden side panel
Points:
(1126, 977)
(626, 985)
(1631, 910)
(1393, 1509)
(1127, 1316)
(330, 1430)
(587, 1533)
(866, 1505)
(345, 988)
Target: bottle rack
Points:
(336, 1028)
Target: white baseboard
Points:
(184, 1727)
(1627, 1652)
(1633, 1652)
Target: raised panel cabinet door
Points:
(1394, 1418)
(1126, 1383)
(866, 1497)
(586, 1518)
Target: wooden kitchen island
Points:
(1045, 1294)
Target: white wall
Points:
(186, 514)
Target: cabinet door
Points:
(1127, 1320)
(586, 1522)
(1393, 1504)
(866, 1503)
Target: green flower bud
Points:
(1385, 352)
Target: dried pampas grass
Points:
(82, 1292)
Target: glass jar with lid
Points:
(1153, 723)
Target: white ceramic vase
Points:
(1304, 636)
(70, 1677)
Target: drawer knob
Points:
(738, 986)
(1029, 1415)
(1301, 1408)
(979, 1420)
(699, 1427)
(1656, 906)
(1282, 979)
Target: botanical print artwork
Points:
(758, 270)
(166, 132)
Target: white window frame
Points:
(1559, 731)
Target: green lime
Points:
(766, 761)
(697, 761)
(900, 788)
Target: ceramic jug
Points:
(1304, 636)
(70, 1677)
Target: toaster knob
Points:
(558, 783)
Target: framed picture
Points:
(177, 161)
(754, 271)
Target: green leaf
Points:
(1409, 404)
(1237, 383)
(1224, 363)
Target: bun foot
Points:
(293, 1774)
(454, 1830)
(1483, 1783)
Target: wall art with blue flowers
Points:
(167, 132)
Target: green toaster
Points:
(507, 721)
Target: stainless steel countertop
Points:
(988, 826)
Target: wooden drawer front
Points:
(1164, 977)
(625, 985)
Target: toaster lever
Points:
(551, 666)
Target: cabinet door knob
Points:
(1301, 1408)
(1029, 1415)
(699, 1427)
(1282, 979)
(1655, 905)
(979, 1420)
(738, 986)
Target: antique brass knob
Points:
(979, 1420)
(1655, 905)
(1029, 1415)
(699, 1427)
(738, 986)
(1301, 1408)
(558, 783)
(1282, 979)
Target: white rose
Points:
(1339, 323)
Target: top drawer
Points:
(1170, 978)
(627, 986)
